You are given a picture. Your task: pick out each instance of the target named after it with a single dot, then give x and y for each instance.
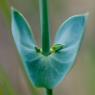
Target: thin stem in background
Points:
(5, 8)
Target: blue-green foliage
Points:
(48, 71)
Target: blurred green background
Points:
(81, 79)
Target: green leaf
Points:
(48, 71)
(22, 33)
(70, 34)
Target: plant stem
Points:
(49, 92)
(44, 27)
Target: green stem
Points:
(49, 92)
(44, 27)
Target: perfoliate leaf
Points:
(48, 71)
(22, 35)
(70, 34)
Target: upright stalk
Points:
(49, 92)
(44, 27)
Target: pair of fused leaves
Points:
(48, 71)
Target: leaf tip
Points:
(15, 12)
(86, 15)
